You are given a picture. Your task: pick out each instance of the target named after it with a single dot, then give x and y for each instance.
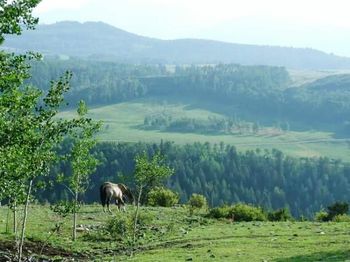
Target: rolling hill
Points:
(100, 41)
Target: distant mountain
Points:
(100, 41)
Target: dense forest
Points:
(263, 91)
(266, 178)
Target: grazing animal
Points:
(118, 192)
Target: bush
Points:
(197, 201)
(338, 208)
(243, 212)
(119, 226)
(335, 210)
(145, 219)
(341, 218)
(238, 212)
(321, 216)
(281, 214)
(163, 197)
(220, 212)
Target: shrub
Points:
(281, 214)
(220, 212)
(163, 197)
(338, 208)
(321, 216)
(335, 210)
(238, 212)
(341, 218)
(145, 219)
(243, 212)
(63, 208)
(119, 226)
(197, 201)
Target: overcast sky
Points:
(319, 24)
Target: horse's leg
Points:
(109, 210)
(103, 205)
(122, 205)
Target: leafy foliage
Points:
(63, 208)
(119, 226)
(150, 173)
(321, 216)
(238, 212)
(160, 196)
(281, 214)
(337, 211)
(15, 14)
(197, 202)
(341, 218)
(337, 208)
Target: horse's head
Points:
(131, 196)
(126, 192)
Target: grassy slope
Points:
(122, 123)
(301, 77)
(194, 238)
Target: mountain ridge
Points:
(101, 41)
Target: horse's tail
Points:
(103, 195)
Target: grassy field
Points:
(301, 77)
(172, 235)
(123, 121)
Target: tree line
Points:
(223, 175)
(212, 125)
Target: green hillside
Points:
(123, 123)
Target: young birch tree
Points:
(83, 163)
(148, 174)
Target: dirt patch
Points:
(32, 250)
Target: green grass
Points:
(195, 238)
(122, 123)
(301, 77)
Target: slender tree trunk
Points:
(8, 219)
(15, 217)
(24, 221)
(137, 214)
(74, 235)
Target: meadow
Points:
(171, 234)
(122, 122)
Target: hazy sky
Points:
(320, 24)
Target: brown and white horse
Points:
(110, 191)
